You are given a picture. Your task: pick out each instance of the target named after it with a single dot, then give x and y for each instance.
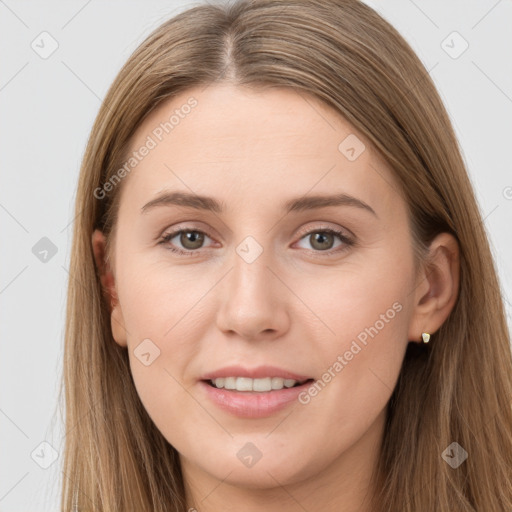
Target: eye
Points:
(190, 240)
(322, 240)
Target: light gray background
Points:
(47, 110)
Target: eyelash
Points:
(348, 242)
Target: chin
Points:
(263, 475)
(244, 465)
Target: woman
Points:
(290, 302)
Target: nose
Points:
(253, 301)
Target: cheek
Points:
(161, 312)
(364, 299)
(158, 301)
(360, 366)
(364, 313)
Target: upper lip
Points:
(254, 373)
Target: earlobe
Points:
(117, 326)
(108, 287)
(437, 287)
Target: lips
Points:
(258, 372)
(245, 393)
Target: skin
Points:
(295, 306)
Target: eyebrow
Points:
(294, 205)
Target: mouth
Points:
(256, 392)
(259, 385)
(252, 398)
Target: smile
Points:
(259, 385)
(245, 401)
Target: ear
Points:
(437, 287)
(108, 286)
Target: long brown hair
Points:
(345, 54)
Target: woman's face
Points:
(251, 282)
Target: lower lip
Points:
(253, 404)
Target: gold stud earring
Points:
(425, 336)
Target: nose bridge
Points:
(250, 282)
(250, 299)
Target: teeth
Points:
(219, 383)
(247, 384)
(243, 384)
(261, 384)
(277, 383)
(229, 382)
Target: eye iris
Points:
(191, 236)
(321, 239)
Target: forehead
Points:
(233, 121)
(227, 140)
